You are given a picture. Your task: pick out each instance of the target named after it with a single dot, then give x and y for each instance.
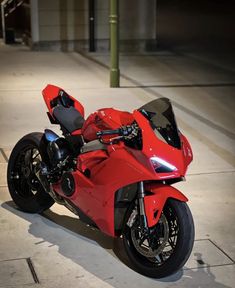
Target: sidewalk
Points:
(64, 252)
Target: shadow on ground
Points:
(102, 255)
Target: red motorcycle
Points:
(114, 170)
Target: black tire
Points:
(180, 253)
(24, 187)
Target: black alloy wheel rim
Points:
(156, 237)
(23, 177)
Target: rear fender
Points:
(155, 202)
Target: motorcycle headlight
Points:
(162, 166)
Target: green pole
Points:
(114, 37)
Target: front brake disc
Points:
(141, 242)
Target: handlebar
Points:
(108, 132)
(123, 131)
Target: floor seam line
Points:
(221, 250)
(4, 155)
(209, 266)
(32, 270)
(210, 173)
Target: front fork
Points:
(140, 196)
(151, 206)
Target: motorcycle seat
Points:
(69, 117)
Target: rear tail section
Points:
(63, 109)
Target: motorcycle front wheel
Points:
(163, 249)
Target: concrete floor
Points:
(62, 250)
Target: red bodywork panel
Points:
(104, 119)
(154, 203)
(187, 150)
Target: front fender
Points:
(154, 203)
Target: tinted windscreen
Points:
(162, 119)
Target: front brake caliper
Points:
(132, 218)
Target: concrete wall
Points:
(137, 25)
(64, 24)
(102, 19)
(61, 23)
(137, 19)
(196, 24)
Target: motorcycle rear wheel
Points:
(177, 227)
(24, 186)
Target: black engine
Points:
(60, 163)
(58, 151)
(68, 183)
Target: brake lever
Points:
(116, 138)
(110, 140)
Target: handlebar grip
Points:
(108, 132)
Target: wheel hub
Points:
(26, 171)
(151, 243)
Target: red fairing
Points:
(154, 147)
(187, 150)
(51, 92)
(154, 203)
(90, 160)
(106, 118)
(95, 195)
